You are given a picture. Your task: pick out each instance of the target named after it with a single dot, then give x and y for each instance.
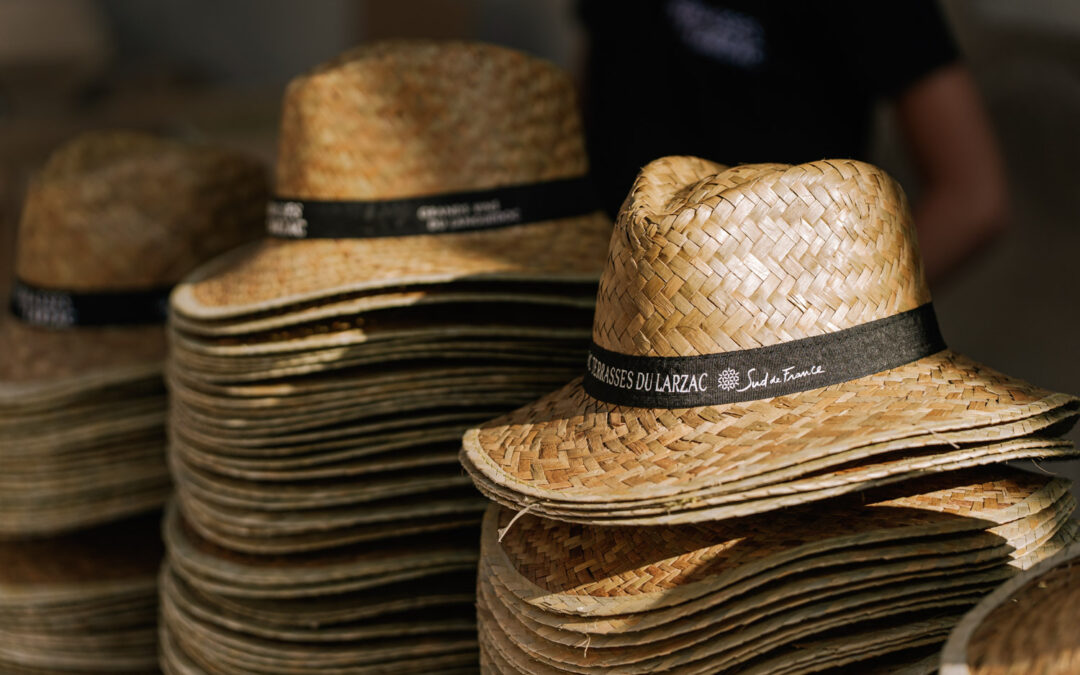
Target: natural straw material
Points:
(407, 119)
(123, 210)
(612, 570)
(120, 211)
(757, 592)
(82, 603)
(82, 407)
(707, 260)
(1028, 625)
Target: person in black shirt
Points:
(773, 81)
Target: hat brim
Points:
(277, 273)
(572, 448)
(53, 362)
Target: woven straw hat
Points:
(398, 603)
(121, 212)
(716, 597)
(708, 260)
(85, 602)
(403, 119)
(1028, 625)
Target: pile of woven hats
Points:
(84, 602)
(110, 223)
(432, 261)
(769, 401)
(1027, 625)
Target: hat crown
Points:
(707, 259)
(120, 210)
(402, 119)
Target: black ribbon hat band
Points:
(59, 309)
(434, 214)
(764, 372)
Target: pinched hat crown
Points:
(401, 119)
(707, 259)
(122, 210)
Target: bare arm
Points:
(964, 203)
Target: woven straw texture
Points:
(1028, 625)
(83, 603)
(405, 119)
(123, 211)
(82, 409)
(613, 564)
(706, 260)
(797, 591)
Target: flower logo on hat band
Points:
(728, 379)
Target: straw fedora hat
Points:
(750, 320)
(111, 222)
(413, 163)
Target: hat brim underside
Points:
(82, 561)
(278, 273)
(1007, 605)
(39, 358)
(571, 448)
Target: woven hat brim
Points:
(115, 556)
(413, 334)
(728, 648)
(330, 308)
(176, 659)
(1051, 645)
(595, 585)
(917, 453)
(391, 600)
(571, 447)
(42, 360)
(697, 632)
(794, 492)
(213, 569)
(200, 607)
(300, 495)
(277, 273)
(512, 657)
(819, 575)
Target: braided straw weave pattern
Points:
(1028, 625)
(403, 119)
(705, 260)
(709, 260)
(1036, 632)
(583, 560)
(758, 609)
(121, 210)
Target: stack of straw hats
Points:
(763, 339)
(1028, 625)
(81, 602)
(807, 588)
(432, 262)
(111, 222)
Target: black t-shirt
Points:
(750, 81)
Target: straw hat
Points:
(111, 222)
(753, 322)
(118, 218)
(85, 602)
(1028, 625)
(396, 139)
(817, 584)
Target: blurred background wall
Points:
(215, 70)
